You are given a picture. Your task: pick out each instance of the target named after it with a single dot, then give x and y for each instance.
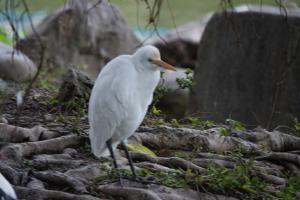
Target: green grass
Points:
(173, 12)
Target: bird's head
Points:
(149, 57)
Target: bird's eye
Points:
(150, 60)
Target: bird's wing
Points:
(108, 101)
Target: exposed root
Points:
(42, 194)
(11, 133)
(205, 163)
(18, 151)
(274, 141)
(88, 172)
(281, 157)
(13, 176)
(154, 166)
(157, 192)
(58, 178)
(272, 179)
(35, 184)
(173, 162)
(46, 163)
(129, 192)
(191, 139)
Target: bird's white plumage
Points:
(120, 98)
(7, 188)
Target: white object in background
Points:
(6, 190)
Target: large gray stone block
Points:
(248, 67)
(81, 34)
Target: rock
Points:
(14, 65)
(81, 34)
(248, 67)
(75, 85)
(179, 46)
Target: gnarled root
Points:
(11, 133)
(173, 162)
(129, 192)
(58, 178)
(42, 194)
(55, 145)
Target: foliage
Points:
(155, 111)
(194, 121)
(234, 181)
(232, 125)
(4, 37)
(296, 127)
(159, 92)
(289, 192)
(175, 123)
(239, 178)
(188, 81)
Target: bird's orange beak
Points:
(164, 65)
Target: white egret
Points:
(120, 98)
(6, 190)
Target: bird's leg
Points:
(109, 146)
(134, 176)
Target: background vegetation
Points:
(173, 12)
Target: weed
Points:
(296, 127)
(175, 123)
(289, 192)
(235, 125)
(155, 111)
(188, 81)
(232, 125)
(159, 92)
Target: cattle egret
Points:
(6, 190)
(120, 98)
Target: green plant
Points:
(155, 111)
(188, 81)
(159, 92)
(296, 127)
(193, 121)
(232, 125)
(175, 123)
(196, 122)
(4, 37)
(289, 192)
(235, 125)
(225, 131)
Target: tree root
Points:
(205, 163)
(58, 178)
(280, 157)
(129, 192)
(42, 194)
(35, 184)
(154, 166)
(157, 192)
(88, 172)
(272, 179)
(13, 176)
(11, 133)
(190, 139)
(46, 163)
(173, 162)
(272, 141)
(55, 145)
